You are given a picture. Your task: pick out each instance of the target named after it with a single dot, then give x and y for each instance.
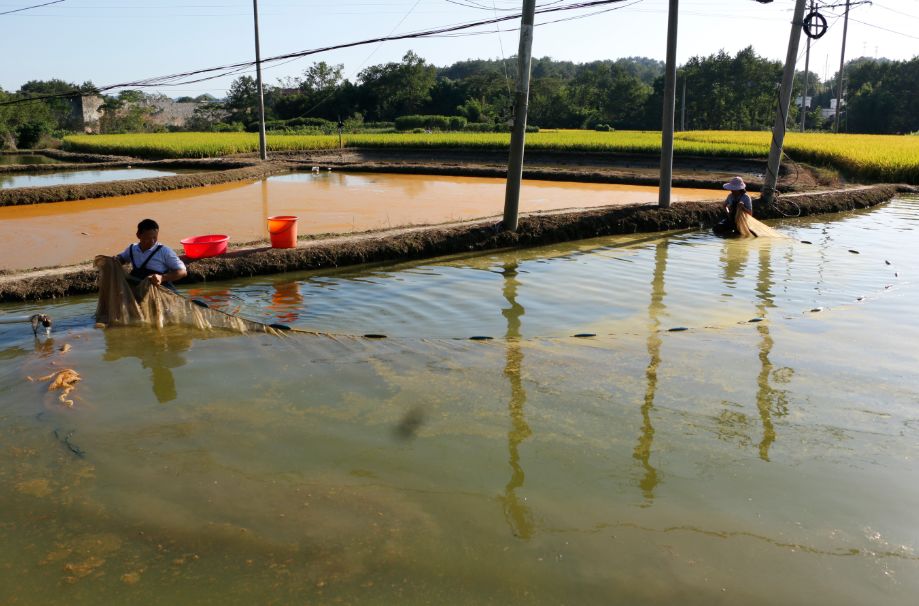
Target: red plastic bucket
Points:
(283, 231)
(200, 247)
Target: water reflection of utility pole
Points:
(517, 514)
(642, 452)
(265, 215)
(769, 401)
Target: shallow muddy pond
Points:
(27, 159)
(325, 202)
(734, 462)
(78, 177)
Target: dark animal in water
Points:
(411, 421)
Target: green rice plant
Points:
(868, 157)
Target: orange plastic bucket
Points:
(283, 231)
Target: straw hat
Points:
(735, 184)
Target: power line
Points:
(26, 8)
(211, 73)
(885, 29)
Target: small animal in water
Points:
(64, 380)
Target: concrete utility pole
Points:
(262, 148)
(521, 101)
(807, 66)
(663, 196)
(842, 64)
(781, 114)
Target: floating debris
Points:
(65, 347)
(756, 319)
(860, 298)
(817, 309)
(806, 242)
(677, 329)
(64, 380)
(854, 252)
(279, 326)
(585, 335)
(373, 335)
(480, 338)
(886, 261)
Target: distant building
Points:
(807, 102)
(167, 112)
(831, 111)
(85, 113)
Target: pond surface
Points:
(78, 177)
(325, 202)
(27, 159)
(734, 462)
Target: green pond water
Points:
(27, 159)
(77, 177)
(735, 462)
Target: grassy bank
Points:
(889, 158)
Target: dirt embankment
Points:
(424, 242)
(585, 167)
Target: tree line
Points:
(722, 91)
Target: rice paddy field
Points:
(889, 158)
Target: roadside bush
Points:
(404, 123)
(29, 133)
(479, 127)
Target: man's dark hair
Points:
(147, 224)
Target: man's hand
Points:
(156, 279)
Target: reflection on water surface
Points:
(764, 455)
(77, 177)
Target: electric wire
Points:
(210, 73)
(27, 8)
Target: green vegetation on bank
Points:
(888, 158)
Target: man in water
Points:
(150, 260)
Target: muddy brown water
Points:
(70, 232)
(734, 462)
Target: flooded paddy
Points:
(736, 461)
(7, 159)
(77, 177)
(325, 203)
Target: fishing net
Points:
(748, 226)
(124, 300)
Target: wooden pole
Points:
(781, 114)
(666, 181)
(521, 101)
(262, 147)
(842, 65)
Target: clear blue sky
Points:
(111, 41)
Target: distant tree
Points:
(396, 89)
(242, 100)
(726, 92)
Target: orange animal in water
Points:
(64, 380)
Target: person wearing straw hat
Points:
(738, 201)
